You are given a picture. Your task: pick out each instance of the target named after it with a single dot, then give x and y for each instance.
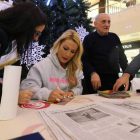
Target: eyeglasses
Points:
(37, 33)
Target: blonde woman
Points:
(59, 74)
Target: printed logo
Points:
(35, 105)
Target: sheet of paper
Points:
(115, 119)
(56, 129)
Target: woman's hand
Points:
(25, 96)
(56, 95)
(69, 94)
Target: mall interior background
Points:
(125, 22)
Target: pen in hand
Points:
(57, 99)
(56, 85)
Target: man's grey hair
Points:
(96, 18)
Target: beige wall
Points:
(94, 1)
(129, 17)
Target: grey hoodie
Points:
(42, 75)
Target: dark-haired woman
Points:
(19, 25)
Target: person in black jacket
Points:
(129, 73)
(19, 25)
(103, 55)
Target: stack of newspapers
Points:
(107, 120)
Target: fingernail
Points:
(71, 97)
(57, 99)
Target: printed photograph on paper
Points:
(130, 125)
(87, 115)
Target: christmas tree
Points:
(61, 16)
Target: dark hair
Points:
(20, 21)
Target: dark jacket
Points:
(134, 66)
(4, 46)
(103, 54)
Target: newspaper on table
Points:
(108, 120)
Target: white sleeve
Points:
(78, 89)
(34, 82)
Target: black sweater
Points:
(103, 54)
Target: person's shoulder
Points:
(113, 34)
(43, 64)
(90, 36)
(45, 60)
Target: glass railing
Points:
(113, 6)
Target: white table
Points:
(28, 120)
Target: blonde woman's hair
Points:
(75, 63)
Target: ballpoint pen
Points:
(57, 99)
(56, 85)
